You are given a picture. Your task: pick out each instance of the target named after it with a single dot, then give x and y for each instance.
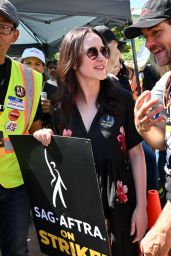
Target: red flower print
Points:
(66, 132)
(121, 139)
(121, 192)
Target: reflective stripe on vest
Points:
(28, 83)
(8, 145)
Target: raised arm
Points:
(151, 129)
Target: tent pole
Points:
(135, 66)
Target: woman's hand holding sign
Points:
(44, 136)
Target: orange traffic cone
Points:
(153, 207)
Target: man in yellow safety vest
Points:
(20, 113)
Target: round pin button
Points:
(14, 114)
(107, 121)
(11, 126)
(20, 91)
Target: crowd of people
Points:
(90, 93)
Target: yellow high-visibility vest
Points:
(20, 106)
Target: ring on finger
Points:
(144, 127)
(156, 249)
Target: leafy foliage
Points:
(119, 32)
(127, 49)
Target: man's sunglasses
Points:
(93, 52)
(6, 30)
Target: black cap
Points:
(154, 12)
(51, 63)
(8, 10)
(108, 35)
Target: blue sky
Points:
(137, 3)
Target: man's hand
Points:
(155, 243)
(145, 111)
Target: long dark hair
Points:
(70, 55)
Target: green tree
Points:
(119, 32)
(138, 44)
(127, 49)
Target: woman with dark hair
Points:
(123, 76)
(89, 106)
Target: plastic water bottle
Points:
(43, 95)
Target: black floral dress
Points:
(111, 136)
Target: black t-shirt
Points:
(50, 89)
(150, 78)
(125, 83)
(5, 72)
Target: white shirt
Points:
(50, 81)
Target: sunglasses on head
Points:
(93, 52)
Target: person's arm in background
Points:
(139, 217)
(36, 125)
(157, 241)
(46, 106)
(147, 106)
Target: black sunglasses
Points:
(93, 52)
